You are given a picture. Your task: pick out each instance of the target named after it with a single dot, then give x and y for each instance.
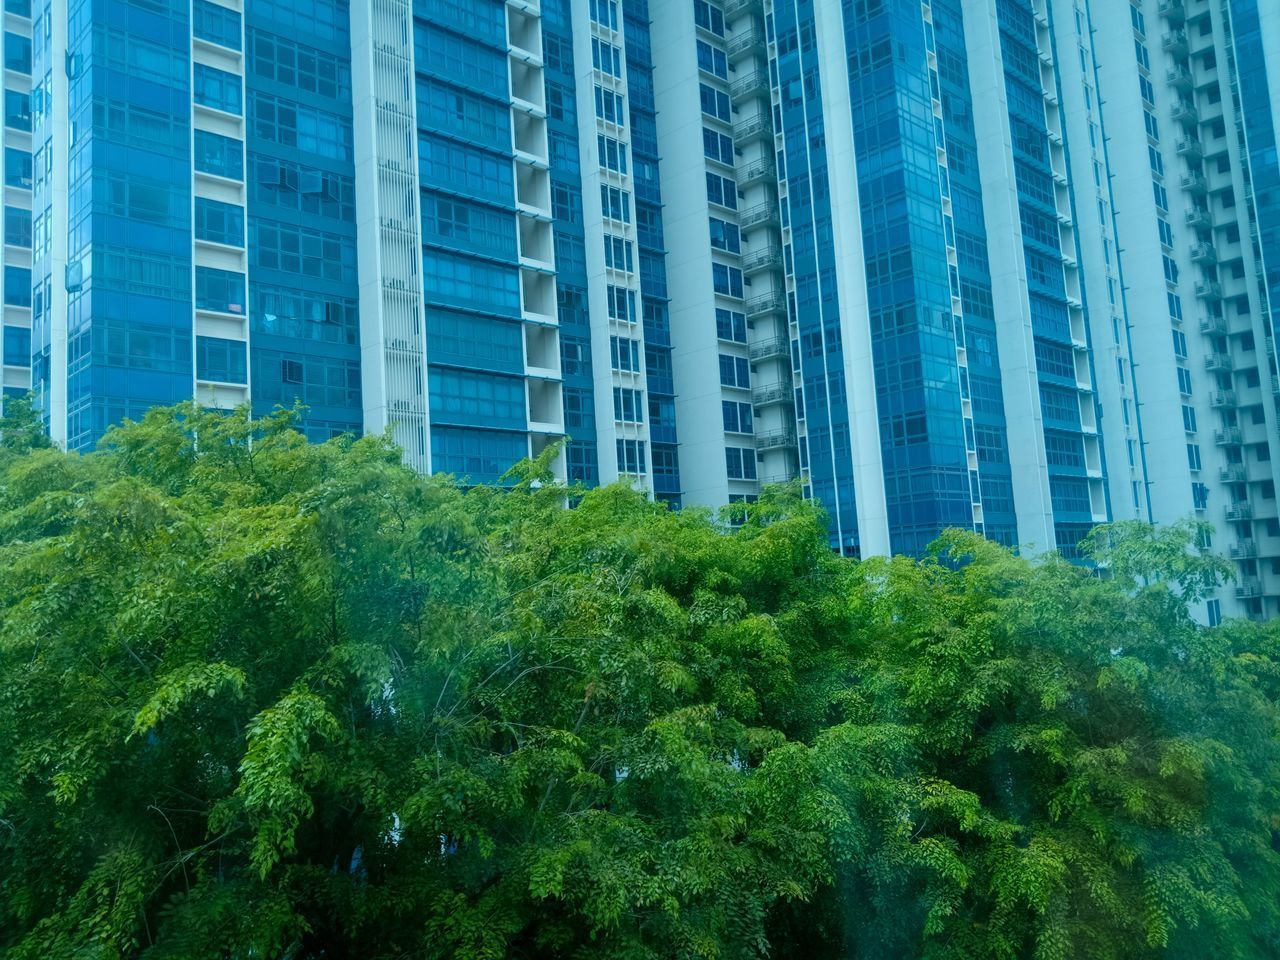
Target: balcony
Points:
(1239, 510)
(762, 214)
(755, 171)
(775, 301)
(1233, 473)
(1198, 217)
(1184, 111)
(1227, 436)
(1189, 147)
(1222, 399)
(1194, 183)
(754, 84)
(1209, 290)
(1213, 326)
(1216, 362)
(775, 348)
(1243, 550)
(773, 393)
(1248, 588)
(736, 8)
(1173, 11)
(1180, 78)
(775, 439)
(763, 258)
(754, 128)
(1204, 253)
(745, 43)
(1175, 42)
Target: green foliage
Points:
(20, 428)
(260, 698)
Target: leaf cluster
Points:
(264, 698)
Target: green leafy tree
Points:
(264, 698)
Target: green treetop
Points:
(266, 699)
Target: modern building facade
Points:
(1009, 265)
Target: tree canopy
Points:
(261, 698)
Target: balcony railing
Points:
(775, 439)
(772, 349)
(773, 393)
(775, 301)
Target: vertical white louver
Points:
(392, 311)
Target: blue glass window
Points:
(300, 250)
(222, 361)
(476, 399)
(484, 21)
(17, 286)
(738, 417)
(463, 169)
(605, 13)
(731, 325)
(305, 315)
(215, 23)
(314, 380)
(480, 457)
(17, 227)
(295, 65)
(726, 280)
(17, 346)
(17, 52)
(713, 61)
(725, 235)
(21, 7)
(292, 124)
(631, 458)
(735, 371)
(463, 114)
(628, 405)
(467, 340)
(460, 60)
(715, 103)
(740, 463)
(219, 290)
(708, 17)
(722, 191)
(464, 282)
(219, 222)
(218, 89)
(17, 110)
(17, 168)
(459, 225)
(219, 155)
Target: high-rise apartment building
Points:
(1189, 91)
(1011, 265)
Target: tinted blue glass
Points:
(17, 168)
(17, 346)
(17, 286)
(1263, 140)
(17, 52)
(219, 360)
(215, 23)
(219, 290)
(17, 227)
(476, 399)
(219, 222)
(476, 456)
(17, 110)
(300, 182)
(218, 89)
(216, 154)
